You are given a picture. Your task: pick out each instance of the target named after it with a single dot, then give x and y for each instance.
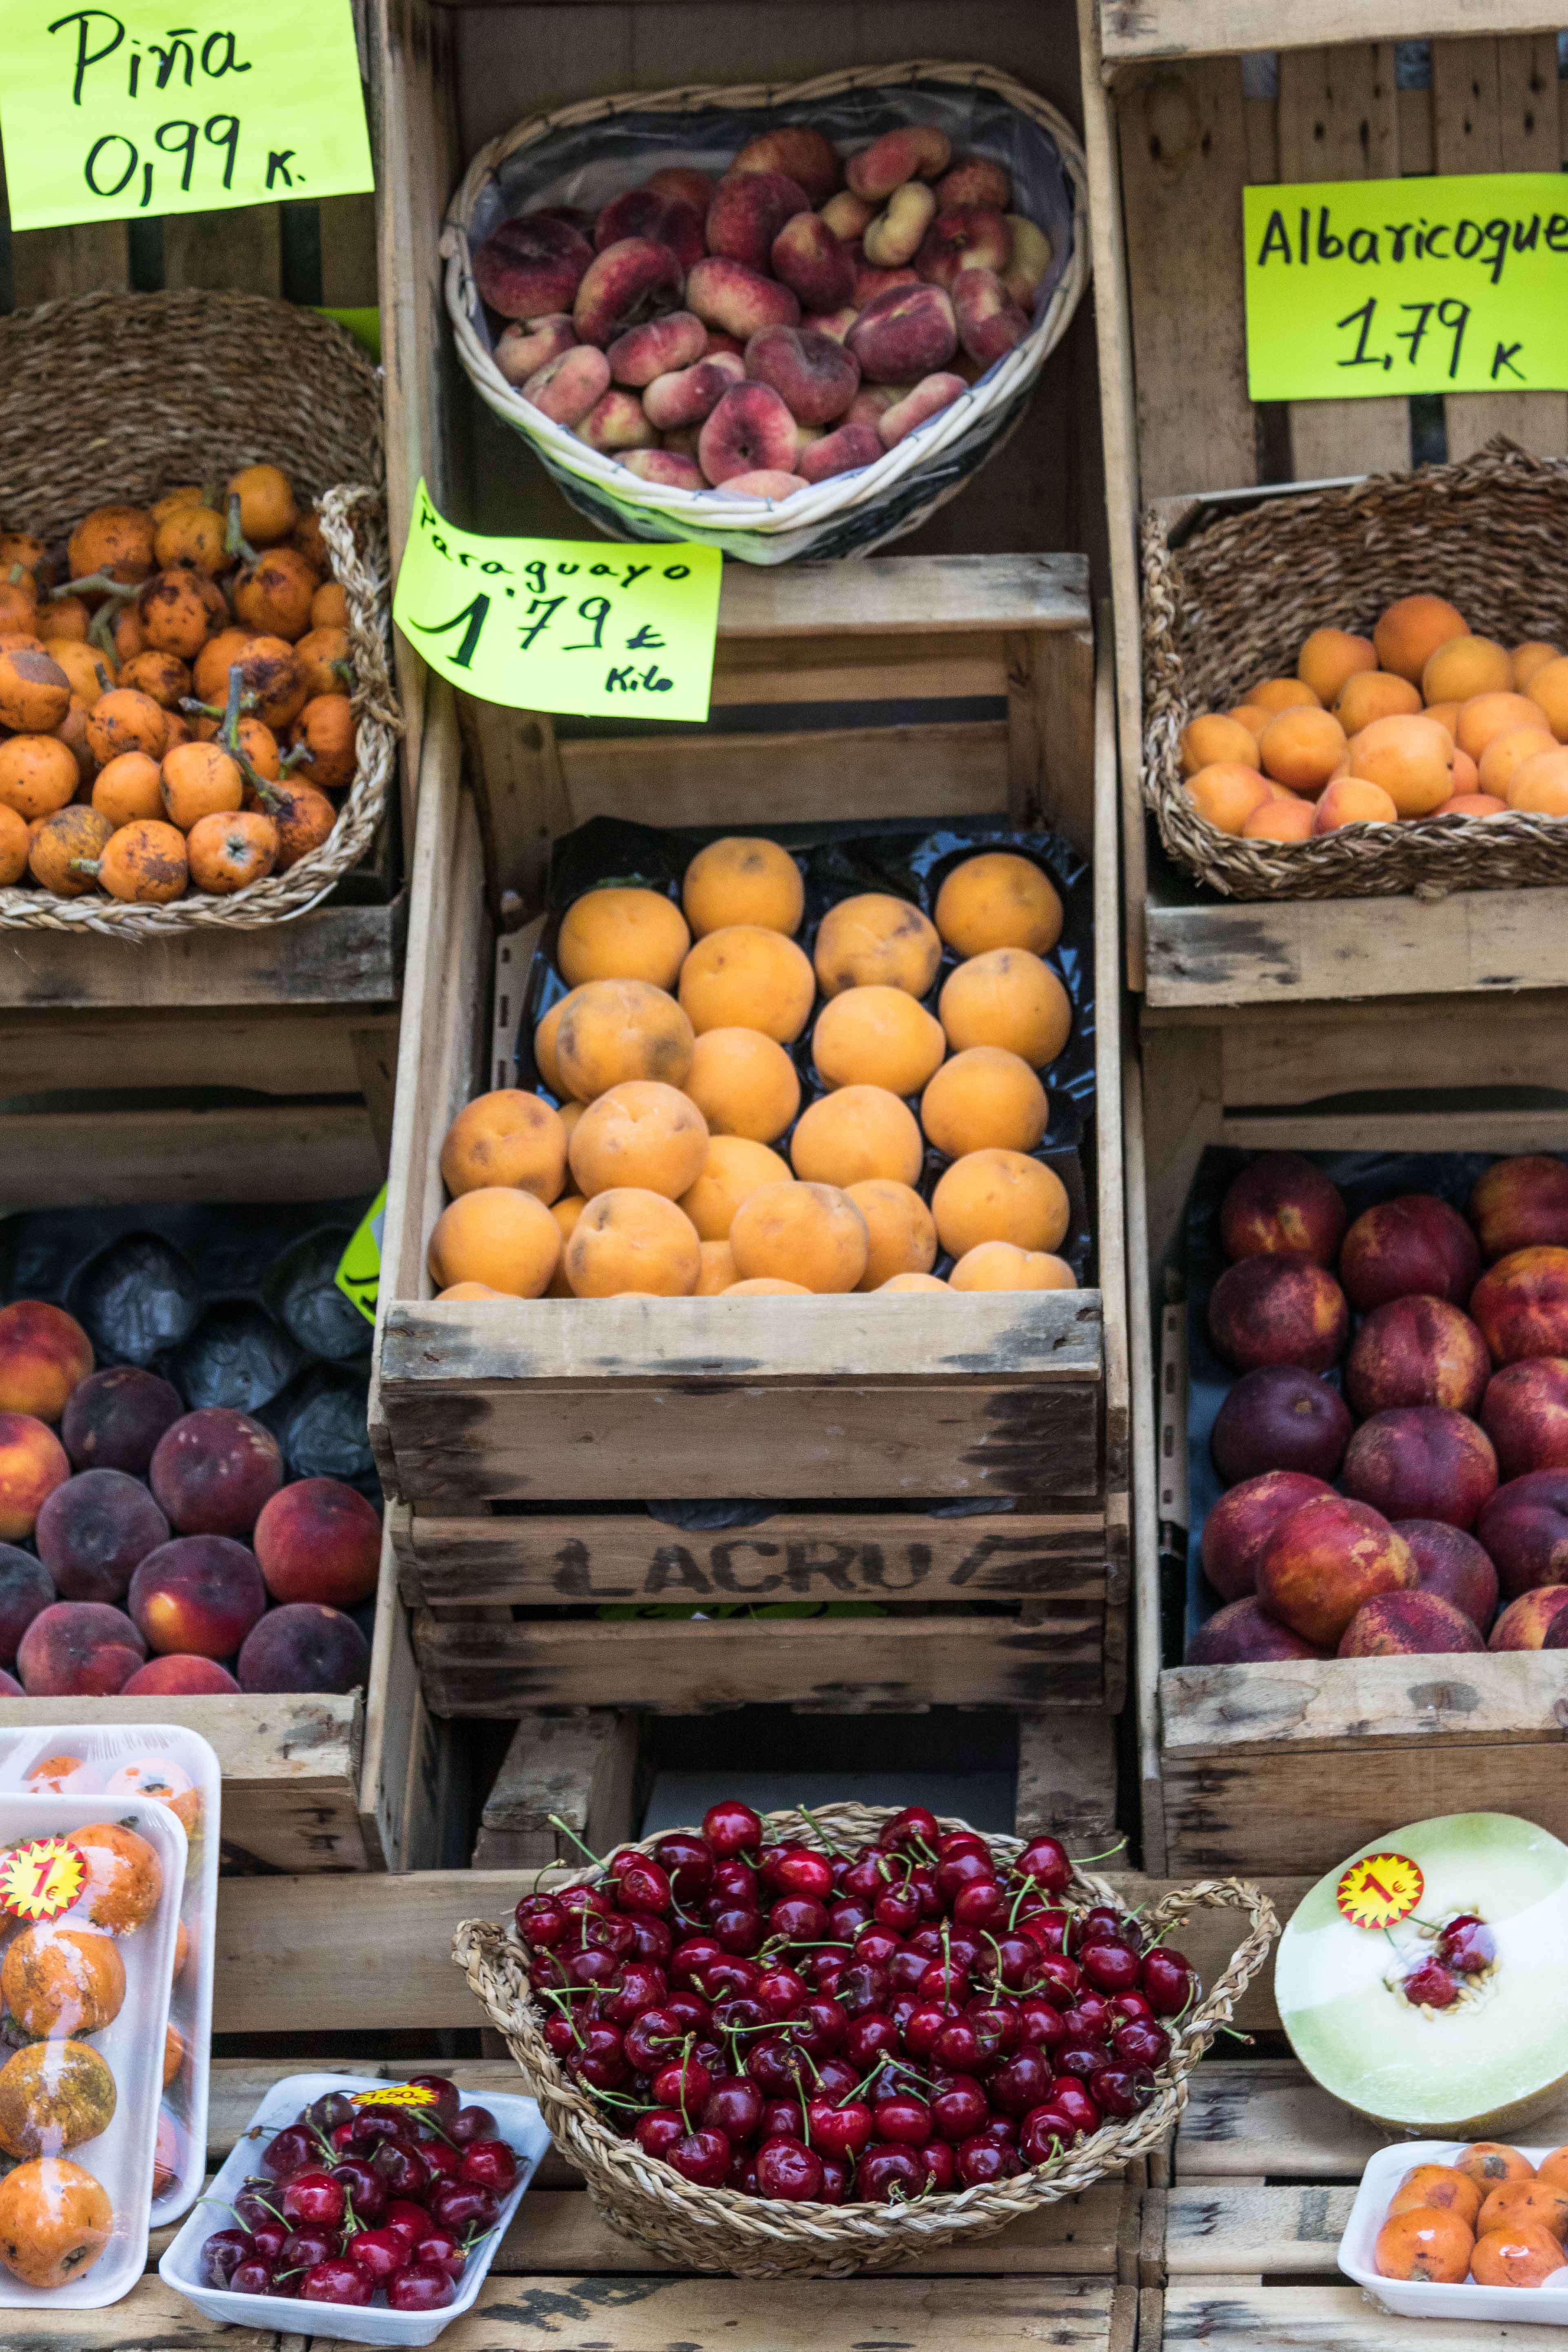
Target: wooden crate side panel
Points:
(1133, 29)
(579, 1769)
(1289, 2232)
(304, 1151)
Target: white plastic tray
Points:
(520, 2124)
(120, 2158)
(1531, 2306)
(107, 1750)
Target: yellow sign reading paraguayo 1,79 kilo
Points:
(1357, 289)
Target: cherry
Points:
(582, 1897)
(981, 2160)
(688, 2009)
(888, 2176)
(1076, 2102)
(786, 2169)
(379, 2254)
(1046, 2132)
(424, 2287)
(959, 2108)
(492, 2164)
(1140, 2042)
(1040, 2027)
(955, 1871)
(797, 1870)
(963, 1842)
(254, 2276)
(840, 2131)
(865, 1880)
(997, 2022)
(835, 2178)
(959, 2046)
(1131, 2007)
(703, 2157)
(781, 1992)
(302, 2249)
(1114, 1968)
(878, 1944)
(687, 1862)
(257, 2203)
(1047, 1930)
(1166, 1981)
(916, 1826)
(780, 2119)
(776, 2067)
(1430, 1986)
(945, 1981)
(363, 2186)
(732, 1828)
(333, 2109)
(472, 2123)
(1024, 2082)
(733, 2107)
(869, 2038)
(922, 2025)
(863, 1986)
(294, 2149)
(685, 2083)
(1089, 2018)
(442, 2249)
(318, 2199)
(1121, 2090)
(941, 2169)
(1080, 2059)
(1056, 1976)
(1003, 2128)
(846, 1917)
(741, 2016)
(447, 2097)
(691, 1957)
(1468, 1946)
(923, 1878)
(410, 2220)
(546, 1973)
(1047, 1861)
(737, 1929)
(983, 1904)
(592, 1965)
(835, 2078)
(1009, 1961)
(642, 1885)
(823, 2025)
(800, 1919)
(650, 2043)
(904, 2118)
(463, 2205)
(1100, 1924)
(268, 2240)
(223, 2253)
(638, 1986)
(897, 1908)
(592, 1931)
(657, 2133)
(652, 1940)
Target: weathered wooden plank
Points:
(1226, 1712)
(272, 1052)
(1136, 29)
(1216, 2229)
(319, 1150)
(240, 249)
(1255, 2116)
(964, 594)
(1184, 165)
(827, 1665)
(947, 768)
(908, 667)
(152, 2318)
(580, 1769)
(560, 1558)
(348, 252)
(1066, 1779)
(1296, 1054)
(1232, 2317)
(336, 956)
(48, 264)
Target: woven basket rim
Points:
(1426, 857)
(706, 510)
(355, 524)
(627, 2184)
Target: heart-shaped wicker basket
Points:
(755, 2237)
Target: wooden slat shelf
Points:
(335, 956)
(1134, 32)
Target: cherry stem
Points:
(567, 1830)
(844, 1853)
(1081, 1861)
(102, 585)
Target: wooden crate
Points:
(305, 1959)
(1292, 1766)
(1173, 134)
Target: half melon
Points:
(1501, 2050)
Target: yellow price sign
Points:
(1357, 289)
(109, 113)
(583, 625)
(41, 1879)
(397, 2094)
(1380, 1890)
(359, 1268)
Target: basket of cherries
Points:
(818, 2042)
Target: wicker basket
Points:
(585, 153)
(753, 2237)
(1232, 604)
(154, 389)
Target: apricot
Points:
(746, 976)
(1514, 2202)
(1539, 786)
(732, 1168)
(902, 1282)
(327, 733)
(901, 1235)
(53, 2096)
(1002, 1266)
(1247, 715)
(738, 880)
(1375, 694)
(742, 1082)
(1411, 758)
(1353, 801)
(621, 933)
(1472, 805)
(1411, 630)
(1287, 820)
(145, 863)
(506, 1137)
(1302, 749)
(273, 595)
(116, 540)
(1466, 665)
(853, 1134)
(14, 844)
(193, 536)
(877, 1036)
(633, 1239)
(766, 1285)
(1441, 2186)
(125, 1877)
(66, 850)
(985, 1098)
(1524, 2255)
(1210, 738)
(1447, 714)
(717, 1272)
(1485, 716)
(45, 1355)
(1329, 657)
(1487, 2161)
(1008, 998)
(1277, 694)
(610, 1030)
(37, 775)
(544, 1035)
(874, 941)
(55, 2221)
(1227, 797)
(498, 1235)
(807, 1232)
(58, 1981)
(267, 508)
(35, 692)
(1548, 690)
(641, 1134)
(229, 852)
(998, 899)
(1507, 753)
(1000, 1196)
(1425, 2242)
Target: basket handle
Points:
(1222, 1895)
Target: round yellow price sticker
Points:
(397, 2094)
(1380, 1889)
(41, 1879)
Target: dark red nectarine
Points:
(1416, 1350)
(43, 1355)
(32, 1464)
(1243, 1633)
(302, 1647)
(1525, 1413)
(1522, 1304)
(318, 1540)
(116, 1417)
(1279, 1309)
(180, 1676)
(213, 1471)
(1241, 1524)
(1280, 1418)
(1415, 1243)
(1520, 1202)
(1454, 1566)
(1282, 1202)
(1322, 1563)
(200, 1594)
(25, 1588)
(93, 1531)
(78, 1649)
(1524, 1529)
(1407, 1624)
(1421, 1462)
(1528, 1622)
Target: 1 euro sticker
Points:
(143, 107)
(567, 625)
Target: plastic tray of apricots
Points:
(91, 1885)
(1445, 2230)
(872, 928)
(166, 1764)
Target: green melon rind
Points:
(1460, 2073)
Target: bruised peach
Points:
(1000, 1196)
(743, 1084)
(1238, 1527)
(1524, 1528)
(498, 1235)
(1417, 1351)
(732, 1168)
(640, 1133)
(1453, 1566)
(60, 1982)
(506, 1137)
(1243, 1633)
(1322, 1563)
(1002, 1266)
(33, 1462)
(630, 280)
(1280, 1418)
(1282, 1202)
(213, 1470)
(853, 1134)
(1423, 2242)
(1414, 1243)
(303, 1646)
(631, 1239)
(1522, 1304)
(1421, 1462)
(1524, 1411)
(78, 1649)
(1527, 1621)
(1279, 1309)
(810, 1233)
(54, 2095)
(43, 1355)
(1520, 1202)
(609, 1030)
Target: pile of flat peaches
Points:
(175, 695)
(1423, 719)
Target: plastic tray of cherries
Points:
(869, 2023)
(385, 2200)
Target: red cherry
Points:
(1046, 2132)
(409, 2220)
(879, 1943)
(1429, 1986)
(840, 2131)
(316, 2198)
(690, 1956)
(982, 1904)
(1102, 1923)
(869, 2038)
(602, 2061)
(731, 1973)
(583, 1897)
(738, 1931)
(923, 1878)
(684, 2083)
(642, 1885)
(737, 1881)
(835, 2186)
(865, 1880)
(1074, 2101)
(425, 2287)
(223, 2253)
(732, 1828)
(268, 2240)
(492, 2164)
(822, 2025)
(442, 2249)
(916, 1826)
(1047, 1861)
(846, 1917)
(688, 1862)
(835, 2078)
(1129, 2006)
(1022, 2082)
(462, 2205)
(638, 1985)
(1009, 1961)
(776, 2067)
(559, 2036)
(799, 1919)
(780, 2119)
(862, 1986)
(998, 2022)
(959, 2047)
(922, 2026)
(941, 2169)
(798, 1870)
(904, 2118)
(786, 2169)
(336, 2281)
(1045, 1929)
(963, 1842)
(361, 2182)
(379, 2252)
(650, 2041)
(1040, 2026)
(1140, 2042)
(592, 1965)
(981, 2160)
(254, 2276)
(1003, 2128)
(1166, 1981)
(888, 2176)
(688, 2010)
(541, 1922)
(1091, 2019)
(303, 2247)
(782, 1993)
(733, 2107)
(1113, 1967)
(702, 2156)
(959, 2109)
(899, 1908)
(1466, 1946)
(957, 1870)
(656, 2132)
(1080, 2059)
(472, 2123)
(293, 2149)
(945, 1981)
(1057, 1976)
(1121, 2090)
